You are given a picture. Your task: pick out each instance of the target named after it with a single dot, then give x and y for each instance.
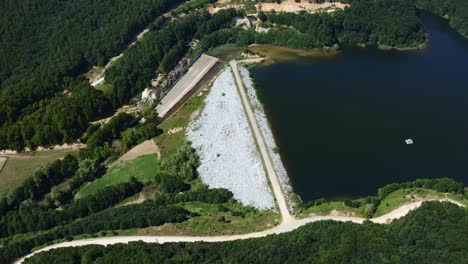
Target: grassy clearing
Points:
(214, 221)
(390, 203)
(94, 72)
(210, 222)
(168, 144)
(328, 207)
(143, 168)
(458, 198)
(104, 87)
(21, 166)
(403, 196)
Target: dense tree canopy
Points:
(45, 43)
(44, 47)
(55, 121)
(31, 217)
(160, 50)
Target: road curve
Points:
(282, 228)
(289, 222)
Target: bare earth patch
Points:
(145, 148)
(335, 212)
(141, 198)
(292, 6)
(285, 6)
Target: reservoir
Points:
(342, 121)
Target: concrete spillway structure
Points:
(187, 85)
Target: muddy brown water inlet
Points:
(341, 122)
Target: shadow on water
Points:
(341, 123)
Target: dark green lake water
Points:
(341, 122)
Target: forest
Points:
(160, 51)
(45, 100)
(45, 47)
(434, 233)
(391, 23)
(44, 44)
(456, 11)
(57, 120)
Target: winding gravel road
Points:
(289, 222)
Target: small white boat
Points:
(409, 141)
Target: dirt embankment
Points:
(293, 6)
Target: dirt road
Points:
(282, 228)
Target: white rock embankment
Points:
(223, 139)
(268, 136)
